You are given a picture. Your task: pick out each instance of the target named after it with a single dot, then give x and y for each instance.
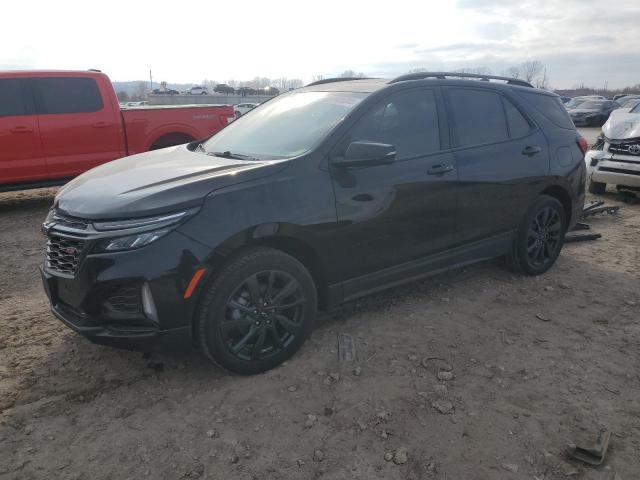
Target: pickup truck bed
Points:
(55, 125)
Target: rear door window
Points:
(11, 98)
(67, 95)
(519, 126)
(478, 115)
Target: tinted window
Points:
(11, 100)
(67, 95)
(551, 107)
(407, 120)
(518, 125)
(479, 116)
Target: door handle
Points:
(21, 130)
(439, 169)
(101, 125)
(531, 151)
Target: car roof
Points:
(370, 85)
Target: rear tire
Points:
(257, 312)
(596, 187)
(539, 238)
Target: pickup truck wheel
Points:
(539, 238)
(596, 187)
(257, 312)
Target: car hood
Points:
(155, 182)
(622, 126)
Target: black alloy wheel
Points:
(257, 311)
(263, 315)
(543, 236)
(540, 237)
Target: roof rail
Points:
(443, 75)
(336, 79)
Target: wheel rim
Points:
(263, 315)
(544, 235)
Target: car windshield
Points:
(628, 102)
(592, 105)
(286, 126)
(636, 109)
(573, 103)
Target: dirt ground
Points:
(535, 363)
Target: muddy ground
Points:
(536, 363)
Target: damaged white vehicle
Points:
(616, 159)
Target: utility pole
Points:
(150, 81)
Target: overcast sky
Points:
(589, 41)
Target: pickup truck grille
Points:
(63, 254)
(631, 148)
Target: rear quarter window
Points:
(551, 107)
(67, 95)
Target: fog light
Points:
(148, 305)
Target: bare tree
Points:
(140, 91)
(512, 72)
(543, 80)
(418, 70)
(351, 74)
(317, 78)
(122, 96)
(475, 70)
(531, 70)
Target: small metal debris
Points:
(581, 237)
(593, 210)
(346, 348)
(593, 455)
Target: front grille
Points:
(125, 299)
(630, 148)
(63, 254)
(69, 222)
(619, 170)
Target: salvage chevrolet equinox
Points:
(319, 196)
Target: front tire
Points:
(539, 238)
(257, 312)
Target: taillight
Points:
(582, 143)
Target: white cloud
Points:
(187, 42)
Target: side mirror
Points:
(367, 153)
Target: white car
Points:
(627, 103)
(198, 91)
(618, 161)
(243, 108)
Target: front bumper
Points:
(614, 169)
(103, 299)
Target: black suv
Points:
(312, 199)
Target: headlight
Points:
(138, 232)
(161, 220)
(129, 243)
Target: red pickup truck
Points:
(55, 125)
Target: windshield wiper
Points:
(228, 154)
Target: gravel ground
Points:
(476, 374)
